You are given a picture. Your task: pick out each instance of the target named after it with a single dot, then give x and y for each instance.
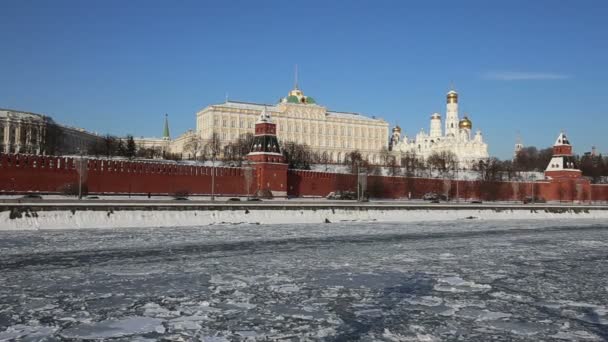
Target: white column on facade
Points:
(5, 140)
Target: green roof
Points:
(166, 128)
(293, 99)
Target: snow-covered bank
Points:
(62, 219)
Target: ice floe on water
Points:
(457, 284)
(471, 281)
(114, 328)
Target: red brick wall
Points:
(23, 173)
(312, 183)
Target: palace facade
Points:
(25, 132)
(299, 119)
(455, 136)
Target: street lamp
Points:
(80, 175)
(213, 176)
(533, 177)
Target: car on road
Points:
(254, 199)
(528, 200)
(342, 195)
(476, 201)
(31, 197)
(234, 199)
(431, 196)
(180, 198)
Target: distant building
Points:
(159, 145)
(330, 134)
(518, 147)
(457, 137)
(25, 132)
(563, 163)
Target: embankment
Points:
(69, 216)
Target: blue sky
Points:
(533, 67)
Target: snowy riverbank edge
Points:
(77, 219)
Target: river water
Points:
(469, 280)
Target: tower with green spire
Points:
(166, 135)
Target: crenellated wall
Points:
(22, 173)
(27, 173)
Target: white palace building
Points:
(301, 120)
(456, 136)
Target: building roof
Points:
(259, 106)
(19, 113)
(562, 140)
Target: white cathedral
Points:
(456, 138)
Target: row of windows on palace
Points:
(322, 141)
(348, 131)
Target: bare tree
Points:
(195, 146)
(237, 151)
(298, 156)
(411, 164)
(213, 146)
(444, 162)
(489, 177)
(355, 161)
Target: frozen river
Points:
(469, 280)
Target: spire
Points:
(166, 135)
(296, 78)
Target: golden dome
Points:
(465, 123)
(452, 97)
(397, 129)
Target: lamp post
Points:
(457, 195)
(533, 177)
(213, 177)
(80, 175)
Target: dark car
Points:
(254, 199)
(180, 198)
(31, 197)
(92, 197)
(476, 201)
(429, 196)
(234, 199)
(528, 200)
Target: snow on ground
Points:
(469, 280)
(61, 219)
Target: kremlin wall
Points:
(25, 173)
(269, 174)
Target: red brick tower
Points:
(271, 169)
(562, 165)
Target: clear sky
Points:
(533, 67)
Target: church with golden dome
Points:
(455, 136)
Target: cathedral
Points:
(455, 136)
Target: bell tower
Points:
(451, 117)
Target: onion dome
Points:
(436, 116)
(465, 123)
(397, 129)
(452, 97)
(310, 100)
